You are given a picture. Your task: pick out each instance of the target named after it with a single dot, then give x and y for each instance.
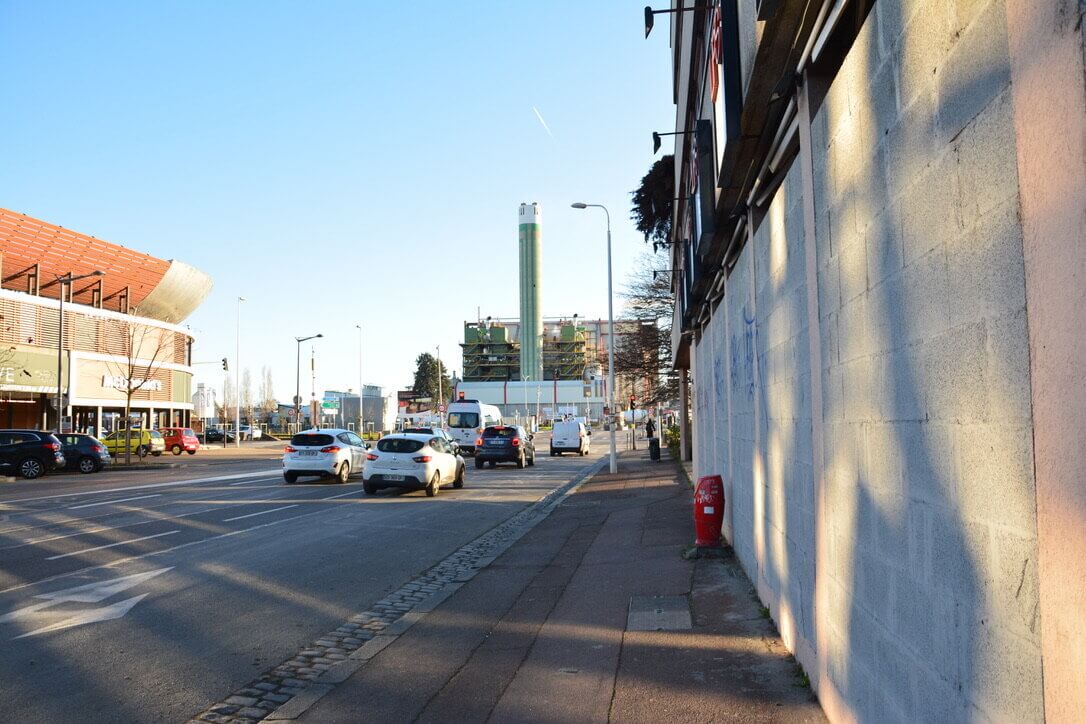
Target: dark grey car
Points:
(84, 453)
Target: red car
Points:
(180, 438)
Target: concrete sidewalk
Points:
(548, 631)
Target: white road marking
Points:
(111, 502)
(87, 593)
(111, 545)
(141, 556)
(117, 610)
(149, 486)
(263, 512)
(341, 495)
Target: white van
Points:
(467, 418)
(570, 436)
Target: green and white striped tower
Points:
(531, 311)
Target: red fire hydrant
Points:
(708, 511)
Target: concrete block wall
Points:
(929, 518)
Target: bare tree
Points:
(645, 352)
(247, 394)
(266, 396)
(146, 350)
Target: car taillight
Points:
(422, 458)
(97, 448)
(330, 449)
(52, 446)
(289, 448)
(479, 442)
(516, 441)
(371, 456)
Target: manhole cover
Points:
(658, 613)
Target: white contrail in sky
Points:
(542, 122)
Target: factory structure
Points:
(535, 365)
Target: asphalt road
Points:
(147, 596)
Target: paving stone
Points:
(293, 683)
(278, 698)
(292, 690)
(252, 712)
(266, 686)
(241, 700)
(249, 691)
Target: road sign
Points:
(290, 412)
(441, 408)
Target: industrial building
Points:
(121, 330)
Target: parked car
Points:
(570, 436)
(437, 432)
(212, 434)
(324, 453)
(84, 453)
(413, 460)
(249, 432)
(140, 441)
(180, 439)
(505, 444)
(30, 453)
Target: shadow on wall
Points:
(914, 606)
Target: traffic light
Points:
(633, 403)
(225, 365)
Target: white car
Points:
(411, 460)
(322, 453)
(570, 436)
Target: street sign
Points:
(290, 412)
(297, 399)
(441, 408)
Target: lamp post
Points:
(361, 416)
(61, 281)
(237, 379)
(610, 334)
(298, 378)
(440, 391)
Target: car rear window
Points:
(313, 439)
(189, 432)
(463, 419)
(399, 445)
(500, 432)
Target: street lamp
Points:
(237, 380)
(610, 334)
(61, 281)
(361, 417)
(298, 378)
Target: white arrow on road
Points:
(93, 615)
(86, 593)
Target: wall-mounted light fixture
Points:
(649, 13)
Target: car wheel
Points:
(553, 453)
(290, 477)
(369, 488)
(434, 485)
(520, 461)
(31, 468)
(141, 451)
(191, 452)
(531, 460)
(492, 463)
(88, 465)
(479, 462)
(156, 453)
(176, 449)
(459, 482)
(344, 473)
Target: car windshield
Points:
(399, 445)
(156, 434)
(500, 432)
(311, 439)
(189, 432)
(463, 419)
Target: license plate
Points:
(308, 453)
(393, 477)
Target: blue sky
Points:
(337, 162)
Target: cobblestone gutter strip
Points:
(284, 692)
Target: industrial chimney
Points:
(531, 314)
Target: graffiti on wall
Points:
(743, 356)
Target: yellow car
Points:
(140, 441)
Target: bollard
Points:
(654, 448)
(708, 511)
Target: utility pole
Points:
(440, 390)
